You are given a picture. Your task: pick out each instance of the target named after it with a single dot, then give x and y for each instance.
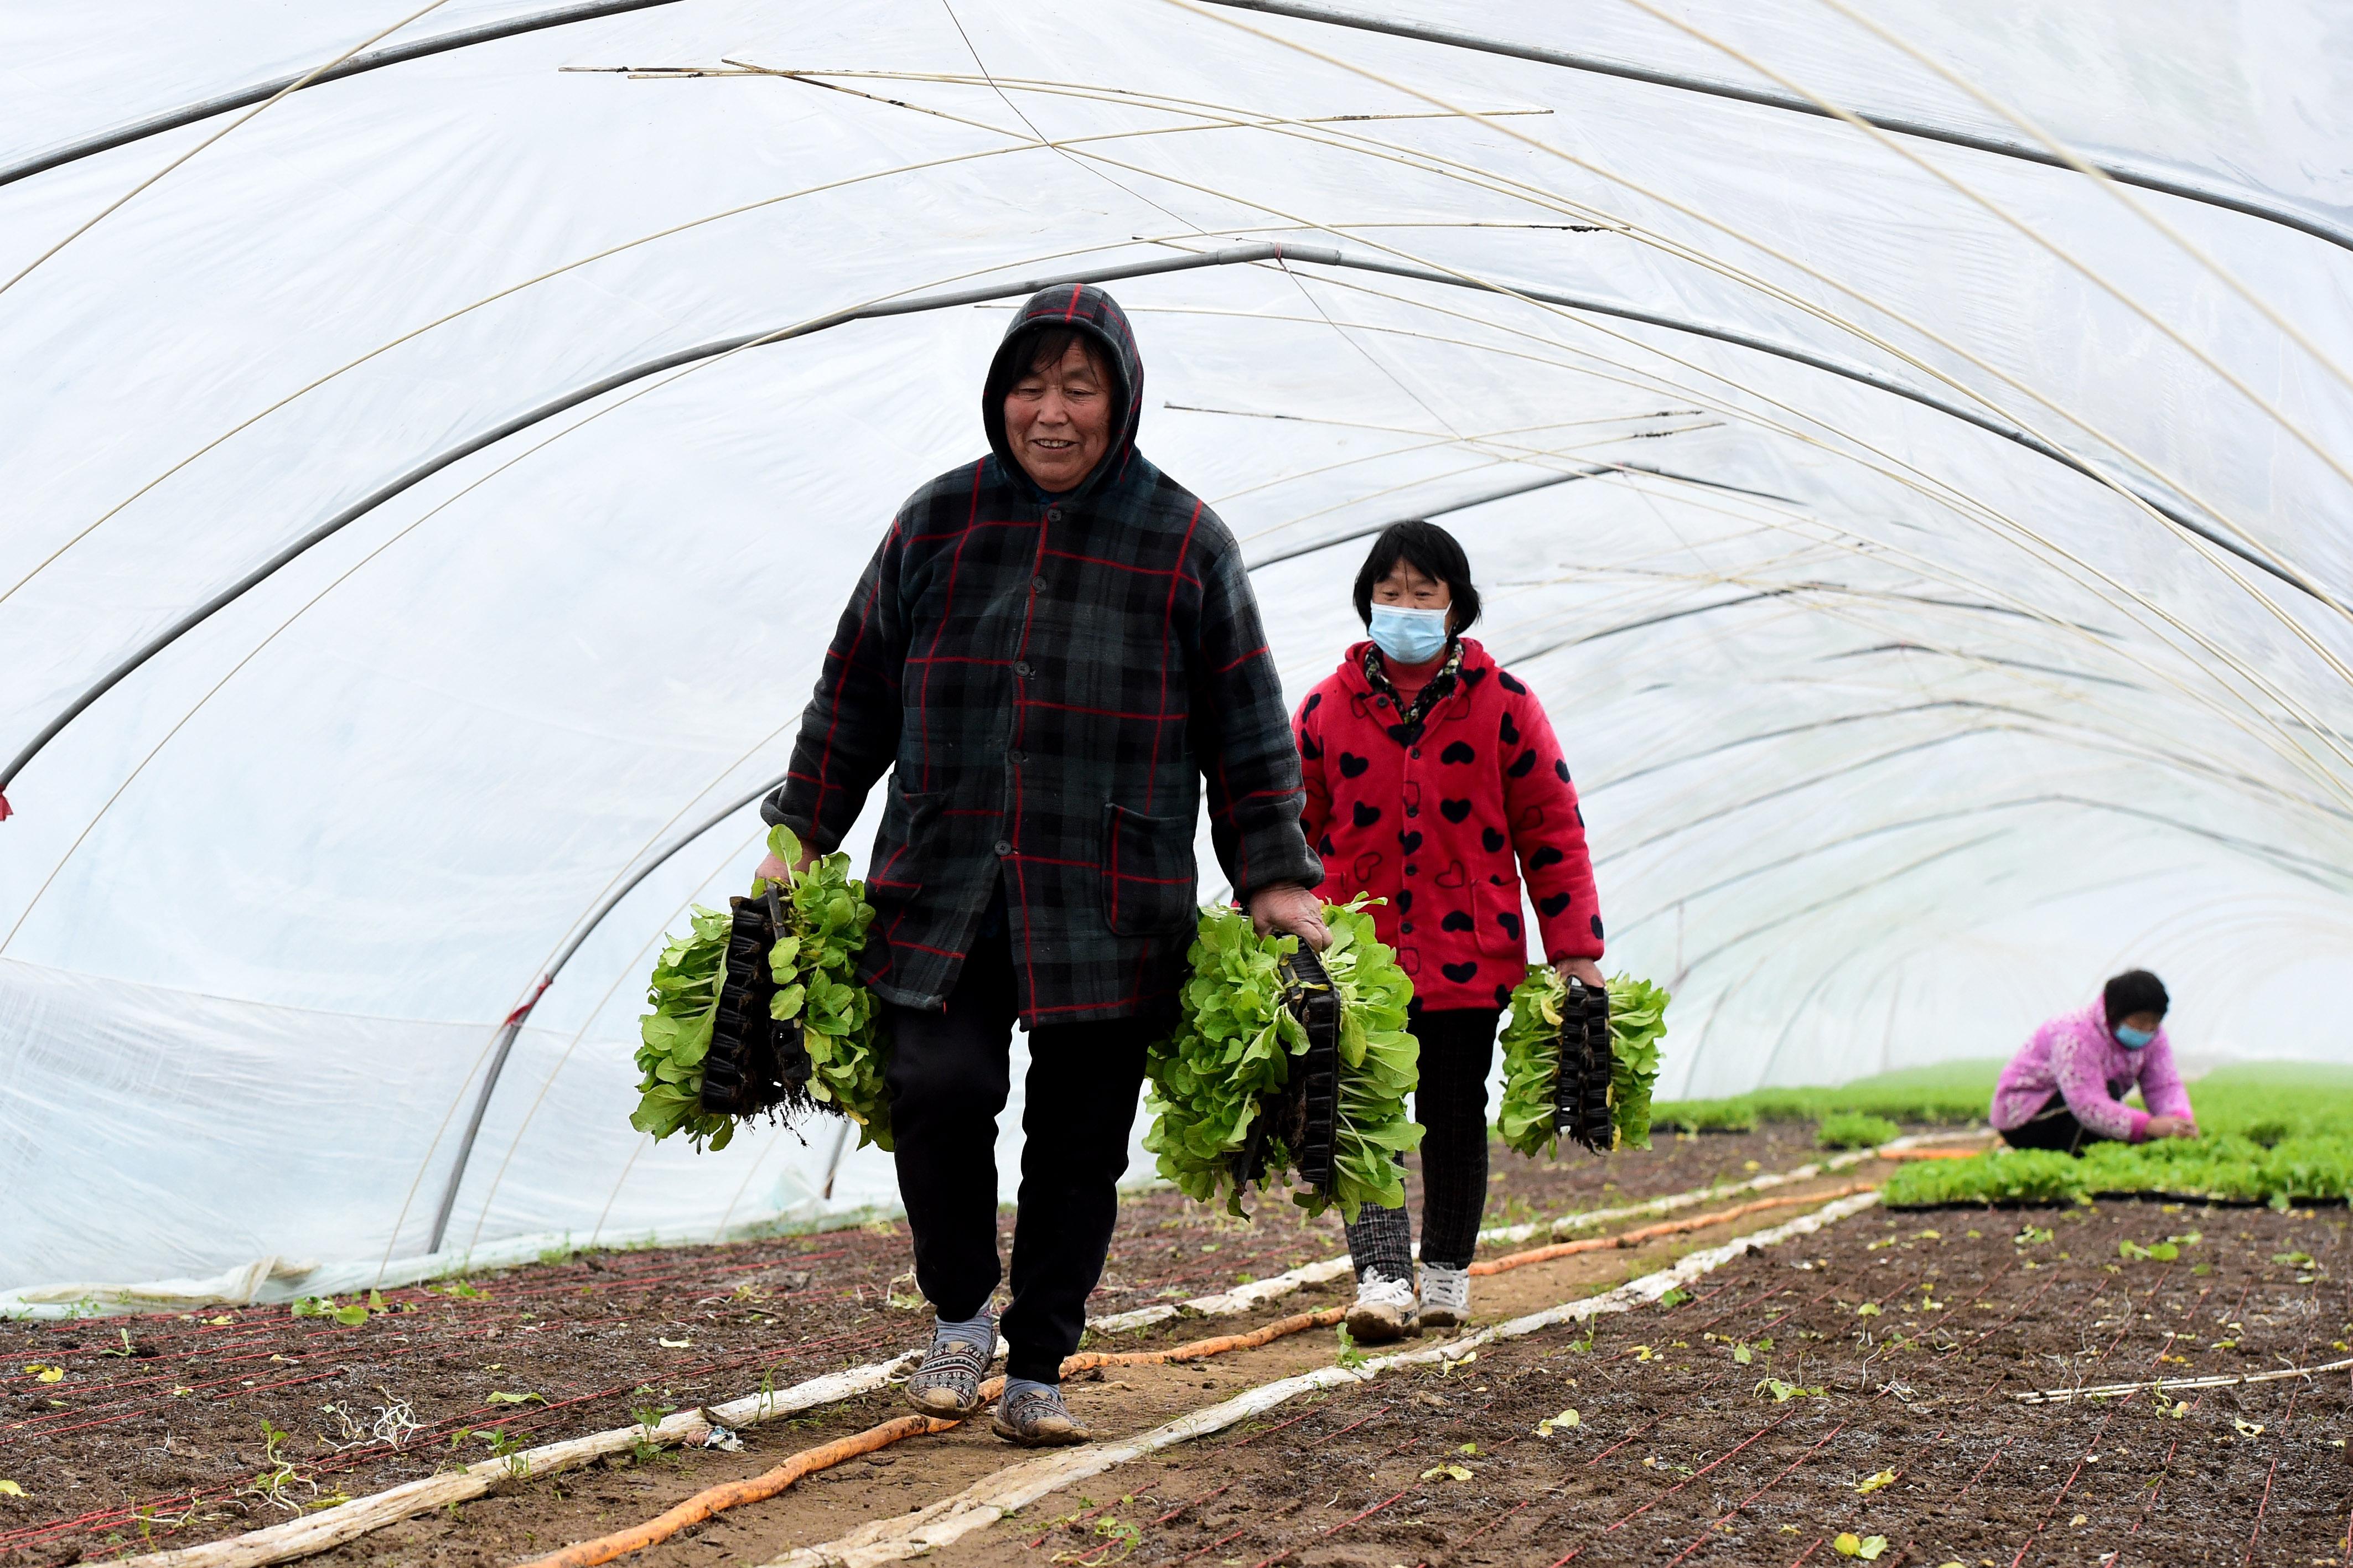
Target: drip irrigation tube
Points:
(375, 60)
(2231, 199)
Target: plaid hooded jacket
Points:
(1050, 679)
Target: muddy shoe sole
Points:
(1038, 1424)
(1372, 1324)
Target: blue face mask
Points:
(1408, 635)
(2133, 1039)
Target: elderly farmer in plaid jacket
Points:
(1053, 650)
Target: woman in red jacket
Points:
(1434, 783)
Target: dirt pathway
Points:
(536, 1517)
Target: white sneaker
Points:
(1445, 1298)
(1383, 1310)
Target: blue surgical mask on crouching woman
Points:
(1408, 635)
(2133, 1039)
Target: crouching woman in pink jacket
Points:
(2067, 1088)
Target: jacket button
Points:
(1410, 870)
(1003, 848)
(1038, 583)
(1053, 514)
(1417, 753)
(1413, 811)
(1407, 929)
(1021, 668)
(1017, 758)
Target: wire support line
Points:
(291, 85)
(2248, 203)
(1425, 162)
(983, 293)
(1797, 303)
(357, 65)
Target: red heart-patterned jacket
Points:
(1442, 819)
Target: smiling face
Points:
(1058, 418)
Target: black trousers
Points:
(949, 1075)
(2054, 1127)
(1458, 1046)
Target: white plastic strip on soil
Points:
(319, 1533)
(989, 1499)
(1243, 1298)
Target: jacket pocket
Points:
(903, 852)
(1502, 933)
(1148, 872)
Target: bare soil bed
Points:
(158, 1429)
(1902, 1426)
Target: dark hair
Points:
(1433, 552)
(1047, 345)
(2135, 991)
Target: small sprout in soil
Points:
(1872, 1483)
(1867, 1547)
(1350, 1356)
(10, 1489)
(1673, 1298)
(1781, 1390)
(499, 1396)
(1456, 1472)
(1551, 1423)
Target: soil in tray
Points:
(1897, 1423)
(157, 1428)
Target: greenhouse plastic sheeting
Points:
(1895, 733)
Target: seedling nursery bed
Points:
(130, 1432)
(1849, 1397)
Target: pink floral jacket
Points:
(2076, 1056)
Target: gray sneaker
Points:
(948, 1382)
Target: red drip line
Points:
(1705, 1536)
(1676, 1488)
(1800, 1560)
(1197, 1503)
(1999, 1450)
(1354, 1518)
(2259, 1514)
(2056, 1275)
(1745, 1306)
(1211, 1547)
(2155, 1492)
(1492, 1523)
(1269, 1431)
(2028, 1545)
(1350, 1427)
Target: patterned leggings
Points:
(1457, 1048)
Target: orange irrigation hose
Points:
(760, 1487)
(733, 1494)
(1298, 1322)
(1652, 1232)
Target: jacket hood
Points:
(1088, 309)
